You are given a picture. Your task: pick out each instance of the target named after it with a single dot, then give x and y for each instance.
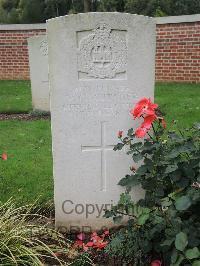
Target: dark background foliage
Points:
(37, 11)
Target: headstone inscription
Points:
(38, 62)
(100, 64)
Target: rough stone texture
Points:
(38, 59)
(100, 64)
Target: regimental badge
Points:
(103, 53)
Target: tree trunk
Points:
(87, 5)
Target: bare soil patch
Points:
(24, 117)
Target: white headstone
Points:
(38, 62)
(100, 64)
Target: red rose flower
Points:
(140, 132)
(120, 134)
(144, 106)
(148, 120)
(156, 263)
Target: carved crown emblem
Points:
(103, 53)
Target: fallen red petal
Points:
(78, 243)
(101, 245)
(81, 236)
(90, 244)
(4, 156)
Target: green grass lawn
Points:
(27, 174)
(179, 102)
(15, 96)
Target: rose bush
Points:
(164, 227)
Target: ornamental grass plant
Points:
(26, 240)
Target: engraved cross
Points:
(103, 148)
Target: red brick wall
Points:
(178, 52)
(177, 56)
(14, 62)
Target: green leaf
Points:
(130, 152)
(171, 168)
(125, 199)
(181, 241)
(108, 214)
(119, 146)
(137, 157)
(136, 145)
(158, 219)
(142, 169)
(138, 210)
(168, 243)
(159, 192)
(142, 219)
(174, 136)
(172, 154)
(149, 147)
(183, 203)
(130, 132)
(129, 180)
(176, 176)
(192, 253)
(166, 202)
(196, 263)
(174, 256)
(148, 162)
(183, 182)
(189, 172)
(179, 260)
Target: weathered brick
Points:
(14, 53)
(183, 41)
